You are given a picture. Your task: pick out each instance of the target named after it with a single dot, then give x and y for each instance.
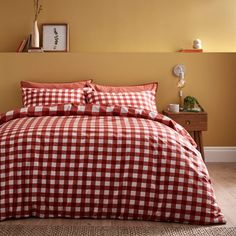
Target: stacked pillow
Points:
(82, 92)
(47, 94)
(139, 96)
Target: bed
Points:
(103, 162)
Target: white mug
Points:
(173, 108)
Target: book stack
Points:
(190, 50)
(25, 46)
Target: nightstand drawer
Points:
(194, 123)
(190, 121)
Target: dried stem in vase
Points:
(37, 9)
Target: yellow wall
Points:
(210, 77)
(127, 25)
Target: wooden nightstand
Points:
(194, 123)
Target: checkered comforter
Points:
(96, 161)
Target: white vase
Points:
(35, 36)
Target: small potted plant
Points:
(191, 104)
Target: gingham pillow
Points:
(46, 96)
(143, 96)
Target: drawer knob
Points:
(187, 122)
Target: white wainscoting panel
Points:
(220, 154)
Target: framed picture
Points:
(55, 37)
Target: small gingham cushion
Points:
(46, 96)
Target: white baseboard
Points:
(220, 154)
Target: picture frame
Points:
(55, 37)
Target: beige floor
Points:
(223, 177)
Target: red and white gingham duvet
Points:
(96, 161)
